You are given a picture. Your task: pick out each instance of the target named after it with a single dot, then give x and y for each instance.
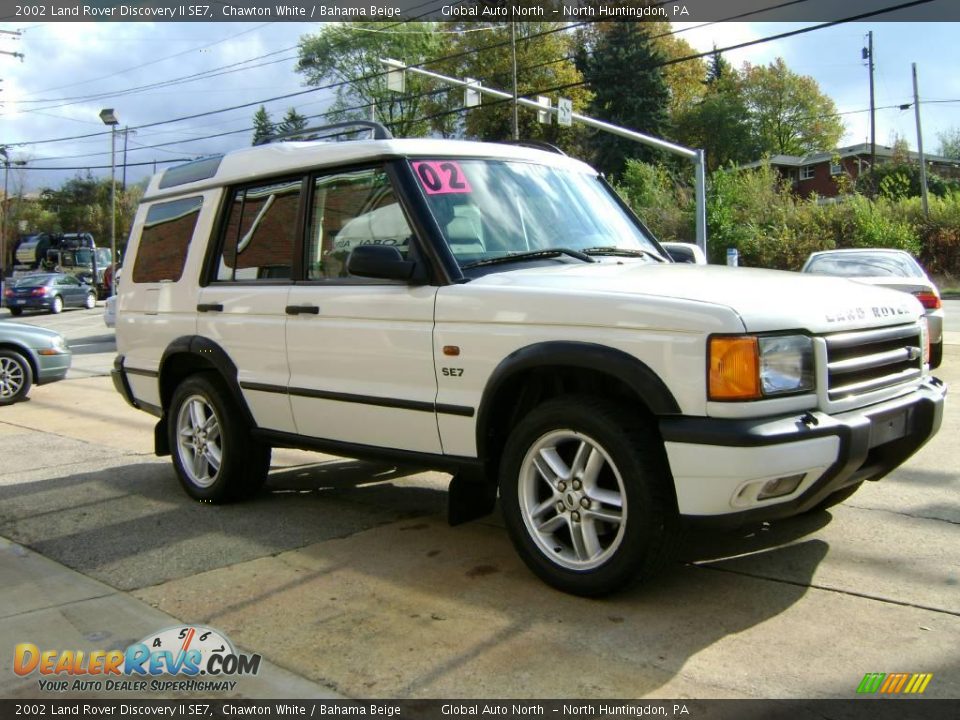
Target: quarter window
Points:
(165, 239)
(352, 208)
(260, 231)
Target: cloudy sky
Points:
(72, 71)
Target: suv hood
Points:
(764, 299)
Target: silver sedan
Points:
(894, 269)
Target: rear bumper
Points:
(720, 465)
(29, 303)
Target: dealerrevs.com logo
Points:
(185, 658)
(894, 683)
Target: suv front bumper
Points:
(718, 465)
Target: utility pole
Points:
(513, 53)
(868, 56)
(923, 164)
(126, 134)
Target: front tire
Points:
(587, 496)
(16, 377)
(91, 301)
(215, 458)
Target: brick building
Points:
(817, 173)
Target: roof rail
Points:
(379, 130)
(538, 144)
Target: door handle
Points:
(210, 307)
(303, 310)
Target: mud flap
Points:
(161, 446)
(470, 497)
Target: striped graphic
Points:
(894, 683)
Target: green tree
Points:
(292, 122)
(350, 53)
(623, 71)
(718, 123)
(788, 113)
(82, 204)
(263, 126)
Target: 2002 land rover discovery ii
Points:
(496, 311)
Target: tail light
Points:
(38, 292)
(8, 293)
(929, 300)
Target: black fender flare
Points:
(633, 372)
(210, 352)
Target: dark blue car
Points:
(48, 291)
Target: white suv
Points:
(496, 311)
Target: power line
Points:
(477, 50)
(287, 96)
(152, 62)
(214, 72)
(107, 167)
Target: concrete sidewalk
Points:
(56, 608)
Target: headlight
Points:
(786, 364)
(58, 346)
(749, 367)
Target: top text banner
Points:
(12, 11)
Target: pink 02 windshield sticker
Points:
(442, 177)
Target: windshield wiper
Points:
(623, 252)
(531, 255)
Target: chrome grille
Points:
(868, 360)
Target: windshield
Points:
(865, 264)
(497, 208)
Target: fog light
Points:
(780, 486)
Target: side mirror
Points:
(379, 261)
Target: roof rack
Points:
(379, 131)
(538, 144)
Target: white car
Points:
(495, 311)
(110, 312)
(894, 269)
(683, 252)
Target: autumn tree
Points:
(349, 55)
(544, 63)
(788, 113)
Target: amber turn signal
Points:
(734, 368)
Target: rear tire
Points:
(16, 312)
(91, 301)
(16, 377)
(587, 496)
(57, 306)
(215, 458)
(936, 355)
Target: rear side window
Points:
(260, 232)
(165, 239)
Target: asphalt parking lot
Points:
(346, 577)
